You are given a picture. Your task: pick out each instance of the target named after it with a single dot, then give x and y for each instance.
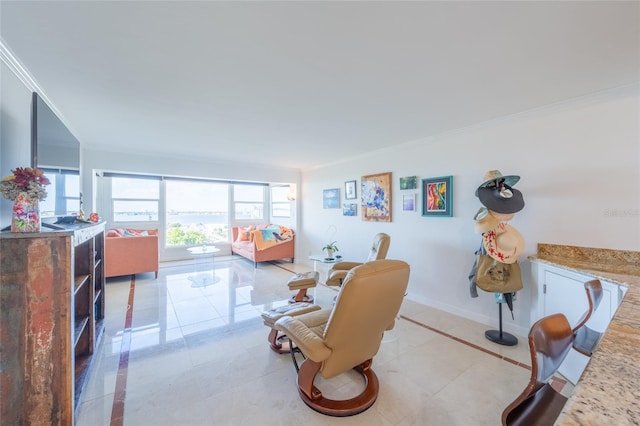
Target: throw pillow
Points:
(244, 233)
(286, 233)
(112, 233)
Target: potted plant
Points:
(331, 248)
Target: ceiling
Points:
(301, 84)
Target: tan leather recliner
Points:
(348, 336)
(379, 249)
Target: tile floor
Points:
(192, 350)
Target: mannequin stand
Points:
(500, 337)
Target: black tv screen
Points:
(55, 150)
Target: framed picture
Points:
(376, 197)
(349, 209)
(437, 196)
(409, 182)
(350, 190)
(331, 198)
(409, 203)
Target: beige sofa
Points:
(251, 244)
(130, 251)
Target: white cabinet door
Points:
(564, 294)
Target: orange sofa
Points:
(259, 244)
(130, 251)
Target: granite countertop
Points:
(608, 393)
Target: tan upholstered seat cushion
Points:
(308, 330)
(293, 309)
(303, 280)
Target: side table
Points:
(324, 260)
(203, 279)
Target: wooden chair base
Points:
(278, 342)
(301, 296)
(312, 396)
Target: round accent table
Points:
(203, 276)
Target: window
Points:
(187, 211)
(280, 204)
(248, 201)
(135, 199)
(197, 212)
(63, 194)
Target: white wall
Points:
(15, 130)
(579, 162)
(579, 166)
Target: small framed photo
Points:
(350, 190)
(331, 198)
(349, 209)
(409, 182)
(409, 203)
(437, 196)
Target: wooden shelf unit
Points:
(51, 321)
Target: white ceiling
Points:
(300, 84)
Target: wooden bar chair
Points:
(585, 339)
(550, 339)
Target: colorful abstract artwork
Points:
(376, 197)
(437, 196)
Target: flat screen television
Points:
(55, 150)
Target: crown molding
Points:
(14, 64)
(20, 71)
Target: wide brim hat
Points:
(501, 200)
(484, 221)
(492, 177)
(502, 217)
(504, 243)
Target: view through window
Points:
(280, 204)
(63, 194)
(135, 199)
(248, 201)
(197, 212)
(187, 211)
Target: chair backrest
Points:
(550, 340)
(380, 247)
(594, 297)
(366, 306)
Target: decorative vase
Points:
(26, 214)
(329, 254)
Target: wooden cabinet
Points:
(51, 320)
(562, 291)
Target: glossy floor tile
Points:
(190, 348)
